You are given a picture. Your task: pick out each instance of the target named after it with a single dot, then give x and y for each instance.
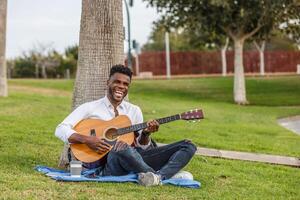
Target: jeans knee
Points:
(128, 151)
(191, 147)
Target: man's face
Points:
(118, 86)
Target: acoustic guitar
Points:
(119, 128)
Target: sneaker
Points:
(183, 175)
(149, 179)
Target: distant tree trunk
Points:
(36, 70)
(67, 74)
(100, 47)
(9, 71)
(3, 73)
(261, 50)
(44, 72)
(239, 76)
(223, 56)
(10, 67)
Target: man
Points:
(152, 163)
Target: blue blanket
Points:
(90, 175)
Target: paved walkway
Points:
(236, 155)
(291, 123)
(257, 157)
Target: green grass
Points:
(30, 114)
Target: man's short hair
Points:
(120, 69)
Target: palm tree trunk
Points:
(101, 45)
(239, 76)
(3, 73)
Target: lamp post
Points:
(168, 65)
(128, 30)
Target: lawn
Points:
(30, 114)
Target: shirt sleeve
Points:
(65, 129)
(139, 119)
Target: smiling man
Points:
(152, 163)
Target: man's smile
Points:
(118, 94)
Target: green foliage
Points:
(56, 64)
(69, 60)
(24, 67)
(276, 42)
(237, 19)
(181, 39)
(34, 108)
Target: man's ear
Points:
(107, 82)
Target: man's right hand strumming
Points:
(97, 144)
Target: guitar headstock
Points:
(192, 115)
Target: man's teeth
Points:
(118, 94)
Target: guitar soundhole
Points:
(111, 134)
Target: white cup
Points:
(75, 168)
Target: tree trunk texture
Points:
(223, 56)
(239, 76)
(101, 45)
(3, 72)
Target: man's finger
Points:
(99, 150)
(103, 142)
(100, 145)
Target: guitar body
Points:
(119, 128)
(99, 128)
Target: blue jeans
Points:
(165, 160)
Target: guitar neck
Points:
(137, 127)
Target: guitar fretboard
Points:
(143, 125)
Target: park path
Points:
(247, 156)
(291, 123)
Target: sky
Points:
(56, 23)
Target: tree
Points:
(238, 19)
(69, 61)
(3, 75)
(180, 40)
(259, 40)
(187, 39)
(264, 35)
(100, 47)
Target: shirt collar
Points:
(108, 103)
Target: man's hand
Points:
(97, 144)
(152, 126)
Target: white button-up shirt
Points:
(99, 109)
